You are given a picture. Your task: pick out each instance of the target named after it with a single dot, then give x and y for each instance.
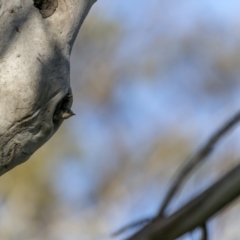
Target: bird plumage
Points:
(62, 114)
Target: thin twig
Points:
(186, 169)
(196, 212)
(204, 232)
(194, 161)
(138, 223)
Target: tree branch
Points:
(194, 161)
(201, 154)
(196, 212)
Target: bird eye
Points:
(62, 108)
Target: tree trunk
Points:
(36, 41)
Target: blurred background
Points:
(152, 80)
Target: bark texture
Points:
(35, 46)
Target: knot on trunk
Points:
(46, 7)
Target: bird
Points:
(62, 114)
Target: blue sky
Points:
(141, 104)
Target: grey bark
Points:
(36, 41)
